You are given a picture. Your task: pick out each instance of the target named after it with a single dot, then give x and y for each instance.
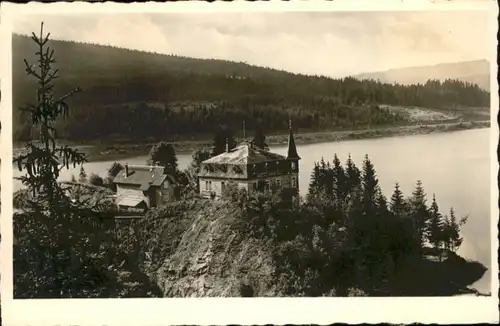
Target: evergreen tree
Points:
(327, 178)
(397, 205)
(352, 175)
(259, 139)
(60, 241)
(370, 186)
(446, 234)
(223, 137)
(436, 225)
(82, 177)
(454, 230)
(340, 185)
(381, 203)
(163, 154)
(420, 212)
(314, 183)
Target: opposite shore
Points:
(107, 152)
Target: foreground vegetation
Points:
(344, 238)
(265, 245)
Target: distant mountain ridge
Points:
(476, 72)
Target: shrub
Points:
(96, 180)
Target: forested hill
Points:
(138, 95)
(477, 72)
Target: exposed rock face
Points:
(215, 257)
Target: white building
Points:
(251, 168)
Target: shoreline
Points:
(110, 151)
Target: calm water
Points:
(455, 166)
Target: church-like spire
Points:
(292, 149)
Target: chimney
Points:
(126, 171)
(227, 145)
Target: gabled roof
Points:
(143, 176)
(245, 154)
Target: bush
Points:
(96, 180)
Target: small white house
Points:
(139, 188)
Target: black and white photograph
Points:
(262, 154)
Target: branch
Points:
(76, 90)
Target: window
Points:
(222, 187)
(278, 184)
(210, 185)
(206, 185)
(294, 183)
(293, 166)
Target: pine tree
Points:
(446, 234)
(82, 176)
(352, 175)
(420, 212)
(259, 140)
(381, 203)
(327, 179)
(436, 225)
(53, 232)
(340, 185)
(454, 231)
(314, 183)
(397, 204)
(370, 186)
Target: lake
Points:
(454, 165)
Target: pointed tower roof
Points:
(292, 149)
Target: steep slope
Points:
(476, 72)
(200, 248)
(203, 248)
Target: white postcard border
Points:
(218, 311)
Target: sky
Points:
(331, 44)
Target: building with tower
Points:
(252, 168)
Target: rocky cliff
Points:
(201, 248)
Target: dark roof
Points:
(245, 154)
(143, 176)
(292, 149)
